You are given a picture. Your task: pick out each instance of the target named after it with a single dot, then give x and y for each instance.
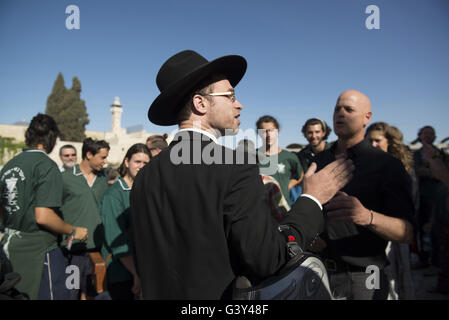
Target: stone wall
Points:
(16, 132)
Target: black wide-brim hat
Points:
(181, 73)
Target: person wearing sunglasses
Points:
(67, 154)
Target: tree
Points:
(55, 99)
(68, 109)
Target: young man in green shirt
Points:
(83, 188)
(287, 168)
(31, 194)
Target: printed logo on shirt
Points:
(10, 192)
(281, 168)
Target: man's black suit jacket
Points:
(197, 226)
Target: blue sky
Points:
(301, 55)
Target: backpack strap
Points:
(293, 248)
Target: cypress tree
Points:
(55, 99)
(68, 109)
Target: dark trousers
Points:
(81, 260)
(53, 282)
(353, 286)
(426, 210)
(443, 276)
(121, 290)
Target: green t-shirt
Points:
(29, 180)
(286, 166)
(114, 209)
(80, 205)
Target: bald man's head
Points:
(352, 114)
(359, 99)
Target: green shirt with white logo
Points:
(31, 179)
(286, 167)
(80, 205)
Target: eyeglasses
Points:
(229, 94)
(69, 155)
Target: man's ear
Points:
(368, 117)
(200, 104)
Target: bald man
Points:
(374, 208)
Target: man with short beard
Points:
(316, 132)
(67, 154)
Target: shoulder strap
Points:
(293, 248)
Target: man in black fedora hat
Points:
(198, 215)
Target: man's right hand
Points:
(81, 233)
(318, 246)
(323, 185)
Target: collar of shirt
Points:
(308, 149)
(123, 184)
(77, 172)
(354, 151)
(206, 133)
(33, 150)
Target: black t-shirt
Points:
(306, 156)
(381, 184)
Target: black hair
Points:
(426, 127)
(315, 121)
(267, 118)
(42, 130)
(93, 146)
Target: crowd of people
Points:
(171, 230)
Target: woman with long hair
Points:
(389, 139)
(122, 280)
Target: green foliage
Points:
(7, 145)
(68, 109)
